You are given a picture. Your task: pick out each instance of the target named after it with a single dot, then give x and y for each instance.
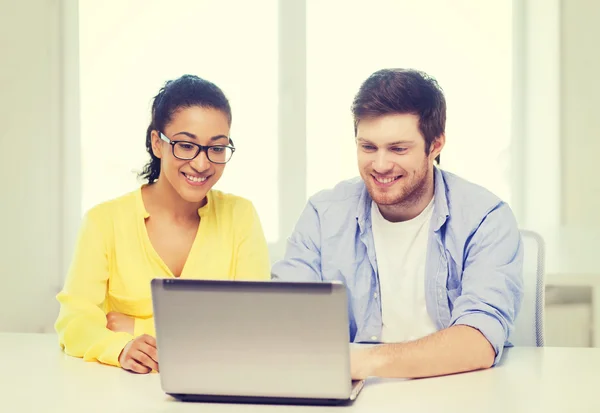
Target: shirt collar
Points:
(440, 203)
(204, 210)
(363, 210)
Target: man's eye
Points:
(399, 150)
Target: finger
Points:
(148, 339)
(144, 359)
(149, 350)
(132, 365)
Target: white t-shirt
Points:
(401, 250)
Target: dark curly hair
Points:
(184, 92)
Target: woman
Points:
(173, 226)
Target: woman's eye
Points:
(186, 146)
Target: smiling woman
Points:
(175, 225)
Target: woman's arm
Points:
(252, 253)
(82, 324)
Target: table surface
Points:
(36, 376)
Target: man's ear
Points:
(156, 144)
(437, 145)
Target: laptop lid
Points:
(252, 339)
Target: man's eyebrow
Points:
(402, 142)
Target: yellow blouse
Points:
(114, 262)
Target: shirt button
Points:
(373, 337)
(375, 295)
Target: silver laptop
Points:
(253, 341)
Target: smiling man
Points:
(432, 262)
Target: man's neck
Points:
(412, 207)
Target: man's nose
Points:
(381, 164)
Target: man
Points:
(432, 263)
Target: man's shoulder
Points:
(346, 195)
(468, 196)
(470, 204)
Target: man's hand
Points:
(140, 355)
(120, 323)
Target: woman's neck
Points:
(164, 200)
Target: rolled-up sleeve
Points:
(302, 260)
(492, 280)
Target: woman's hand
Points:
(140, 355)
(120, 323)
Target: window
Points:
(466, 45)
(128, 49)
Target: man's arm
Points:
(302, 260)
(453, 350)
(482, 318)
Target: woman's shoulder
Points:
(224, 201)
(235, 213)
(116, 208)
(233, 206)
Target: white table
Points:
(573, 259)
(35, 376)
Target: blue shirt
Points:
(473, 271)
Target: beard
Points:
(406, 192)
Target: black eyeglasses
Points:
(187, 151)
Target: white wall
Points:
(31, 219)
(580, 120)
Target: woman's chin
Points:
(194, 194)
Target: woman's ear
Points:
(156, 144)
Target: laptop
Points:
(253, 341)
